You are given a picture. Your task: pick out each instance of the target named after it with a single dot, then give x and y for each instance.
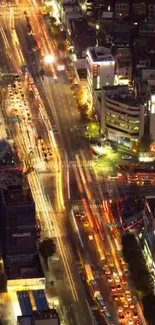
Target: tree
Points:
(133, 256)
(92, 129)
(47, 248)
(62, 46)
(149, 308)
(83, 108)
(52, 20)
(55, 30)
(145, 143)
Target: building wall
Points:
(21, 284)
(121, 9)
(100, 74)
(121, 119)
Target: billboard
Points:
(95, 70)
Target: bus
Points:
(101, 303)
(109, 318)
(94, 288)
(89, 272)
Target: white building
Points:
(122, 115)
(101, 68)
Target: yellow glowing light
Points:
(49, 59)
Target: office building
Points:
(122, 9)
(122, 115)
(151, 9)
(18, 213)
(101, 68)
(19, 231)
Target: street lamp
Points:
(97, 27)
(49, 59)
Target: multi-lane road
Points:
(47, 113)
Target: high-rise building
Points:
(101, 68)
(18, 214)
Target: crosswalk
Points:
(79, 206)
(17, 10)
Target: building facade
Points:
(122, 115)
(101, 67)
(18, 224)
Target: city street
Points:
(41, 112)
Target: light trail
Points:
(6, 43)
(89, 196)
(64, 252)
(77, 230)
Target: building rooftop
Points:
(16, 195)
(44, 317)
(10, 177)
(32, 269)
(45, 314)
(123, 95)
(99, 54)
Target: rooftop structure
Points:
(99, 55)
(46, 317)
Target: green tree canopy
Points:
(62, 46)
(145, 142)
(47, 248)
(140, 275)
(92, 129)
(52, 20)
(137, 266)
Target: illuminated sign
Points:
(95, 70)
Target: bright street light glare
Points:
(49, 58)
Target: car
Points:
(126, 157)
(117, 279)
(115, 297)
(120, 309)
(128, 297)
(122, 261)
(107, 272)
(127, 291)
(91, 237)
(131, 321)
(109, 278)
(135, 315)
(132, 306)
(118, 287)
(112, 288)
(137, 322)
(122, 319)
(123, 280)
(128, 313)
(86, 223)
(126, 305)
(122, 297)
